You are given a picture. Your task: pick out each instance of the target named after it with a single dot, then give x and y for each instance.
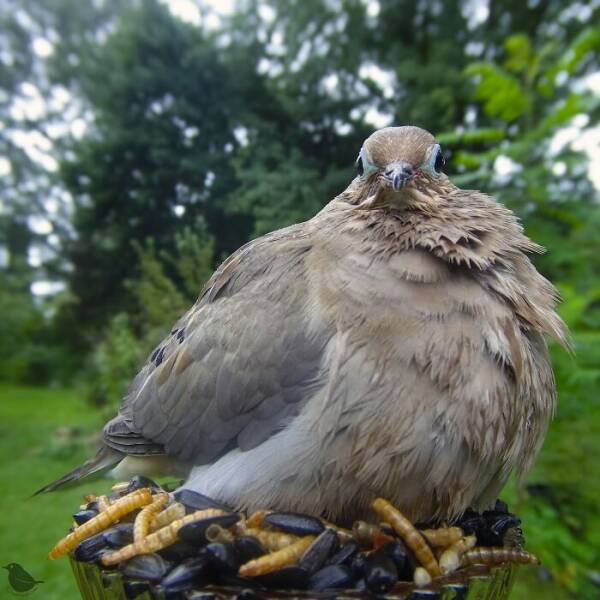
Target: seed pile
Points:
(185, 541)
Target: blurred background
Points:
(143, 141)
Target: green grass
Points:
(33, 455)
(38, 444)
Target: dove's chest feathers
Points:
(428, 336)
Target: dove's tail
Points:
(105, 457)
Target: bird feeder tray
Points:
(475, 583)
(141, 542)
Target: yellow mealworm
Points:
(103, 503)
(406, 530)
(168, 515)
(442, 537)
(495, 556)
(101, 521)
(257, 518)
(159, 539)
(216, 533)
(370, 535)
(141, 525)
(271, 540)
(421, 577)
(450, 558)
(120, 487)
(274, 561)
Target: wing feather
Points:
(237, 367)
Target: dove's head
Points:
(399, 166)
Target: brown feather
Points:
(393, 345)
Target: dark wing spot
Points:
(160, 356)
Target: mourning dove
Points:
(393, 345)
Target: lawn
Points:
(45, 432)
(37, 444)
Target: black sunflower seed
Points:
(332, 576)
(345, 555)
(248, 548)
(81, 516)
(194, 501)
(194, 532)
(295, 523)
(119, 535)
(191, 572)
(288, 578)
(319, 551)
(90, 549)
(221, 557)
(381, 573)
(150, 567)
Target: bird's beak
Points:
(398, 174)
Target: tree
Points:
(528, 93)
(165, 104)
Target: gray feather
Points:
(105, 457)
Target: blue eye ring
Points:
(434, 163)
(364, 167)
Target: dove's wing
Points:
(237, 367)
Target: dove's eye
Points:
(438, 165)
(364, 167)
(360, 169)
(435, 161)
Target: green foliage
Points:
(156, 295)
(29, 350)
(503, 96)
(279, 187)
(160, 299)
(113, 362)
(194, 257)
(523, 97)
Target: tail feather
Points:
(105, 457)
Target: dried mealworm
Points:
(120, 487)
(274, 561)
(173, 512)
(482, 555)
(101, 521)
(159, 539)
(442, 537)
(141, 525)
(406, 530)
(271, 540)
(421, 577)
(216, 533)
(257, 518)
(103, 503)
(450, 558)
(370, 535)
